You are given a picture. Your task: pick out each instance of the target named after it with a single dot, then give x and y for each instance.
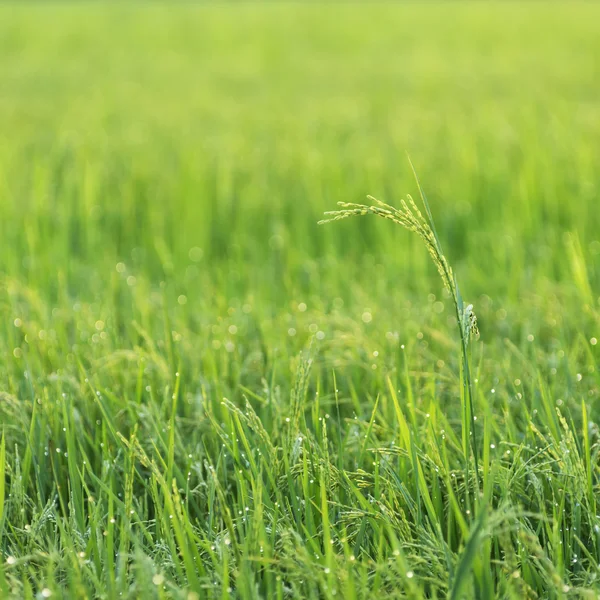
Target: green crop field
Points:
(206, 394)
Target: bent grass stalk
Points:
(410, 217)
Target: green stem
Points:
(471, 409)
(468, 387)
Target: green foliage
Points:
(204, 395)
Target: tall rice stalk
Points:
(410, 217)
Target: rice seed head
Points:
(411, 218)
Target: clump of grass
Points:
(411, 218)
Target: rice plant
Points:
(411, 218)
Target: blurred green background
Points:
(134, 134)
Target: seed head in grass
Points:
(410, 217)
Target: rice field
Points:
(205, 394)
